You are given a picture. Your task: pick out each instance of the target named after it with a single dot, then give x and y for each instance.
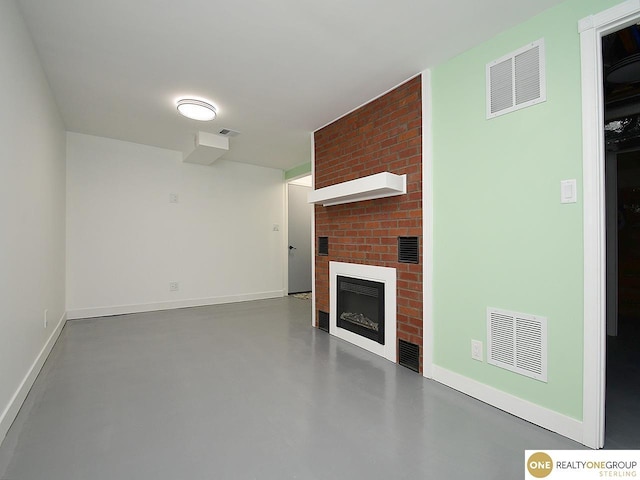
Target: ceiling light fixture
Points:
(196, 109)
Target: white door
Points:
(300, 255)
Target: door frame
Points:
(291, 181)
(591, 30)
(611, 218)
(285, 279)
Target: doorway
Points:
(299, 214)
(621, 102)
(592, 29)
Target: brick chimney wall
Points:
(383, 136)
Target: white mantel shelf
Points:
(380, 185)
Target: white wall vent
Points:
(517, 342)
(516, 80)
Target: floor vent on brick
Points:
(409, 355)
(323, 321)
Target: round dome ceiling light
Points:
(196, 109)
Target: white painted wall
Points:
(32, 215)
(126, 241)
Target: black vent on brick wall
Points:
(323, 321)
(323, 245)
(409, 355)
(408, 249)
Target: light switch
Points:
(568, 191)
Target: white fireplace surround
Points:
(384, 275)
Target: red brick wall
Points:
(382, 136)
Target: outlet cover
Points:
(476, 350)
(173, 286)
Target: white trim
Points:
(386, 275)
(313, 234)
(427, 225)
(366, 103)
(543, 417)
(591, 30)
(617, 15)
(11, 411)
(152, 307)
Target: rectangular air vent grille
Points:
(323, 321)
(408, 250)
(516, 80)
(227, 132)
(323, 245)
(409, 355)
(517, 342)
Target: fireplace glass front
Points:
(360, 307)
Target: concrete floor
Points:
(248, 391)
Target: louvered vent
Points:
(408, 251)
(323, 321)
(409, 355)
(227, 132)
(517, 342)
(323, 245)
(516, 80)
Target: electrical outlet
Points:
(173, 286)
(46, 322)
(476, 350)
(173, 198)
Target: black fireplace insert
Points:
(360, 307)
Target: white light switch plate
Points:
(568, 191)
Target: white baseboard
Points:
(152, 307)
(543, 417)
(11, 411)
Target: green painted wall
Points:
(501, 236)
(297, 171)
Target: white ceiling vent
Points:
(516, 80)
(517, 342)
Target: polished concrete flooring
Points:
(248, 391)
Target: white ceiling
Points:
(276, 69)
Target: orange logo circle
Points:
(539, 465)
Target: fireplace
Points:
(360, 307)
(362, 311)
